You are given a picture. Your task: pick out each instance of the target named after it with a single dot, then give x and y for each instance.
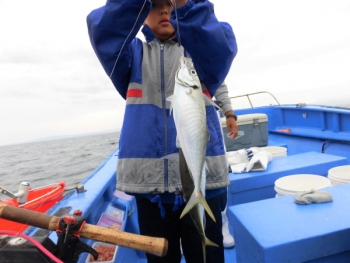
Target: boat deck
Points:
(265, 228)
(278, 230)
(258, 185)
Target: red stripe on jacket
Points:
(135, 93)
(207, 93)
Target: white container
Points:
(339, 175)
(289, 185)
(255, 130)
(276, 151)
(100, 246)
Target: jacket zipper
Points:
(162, 81)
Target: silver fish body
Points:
(188, 107)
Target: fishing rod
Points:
(75, 226)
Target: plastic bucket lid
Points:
(300, 182)
(340, 173)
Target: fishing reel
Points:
(69, 246)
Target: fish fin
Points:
(210, 102)
(206, 166)
(172, 156)
(170, 98)
(194, 200)
(208, 242)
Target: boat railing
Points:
(41, 199)
(248, 95)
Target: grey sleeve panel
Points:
(222, 95)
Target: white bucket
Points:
(339, 175)
(291, 184)
(276, 151)
(335, 182)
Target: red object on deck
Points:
(284, 130)
(77, 212)
(39, 199)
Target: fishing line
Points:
(177, 24)
(137, 19)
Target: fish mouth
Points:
(186, 84)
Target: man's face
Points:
(159, 19)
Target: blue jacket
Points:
(144, 74)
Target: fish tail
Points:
(197, 199)
(207, 242)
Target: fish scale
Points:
(193, 134)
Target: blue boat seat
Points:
(254, 186)
(279, 230)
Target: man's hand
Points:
(232, 126)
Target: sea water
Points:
(47, 162)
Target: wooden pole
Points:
(152, 245)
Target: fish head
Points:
(186, 74)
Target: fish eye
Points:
(193, 72)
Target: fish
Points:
(197, 212)
(188, 109)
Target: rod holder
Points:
(22, 194)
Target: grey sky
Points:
(52, 84)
